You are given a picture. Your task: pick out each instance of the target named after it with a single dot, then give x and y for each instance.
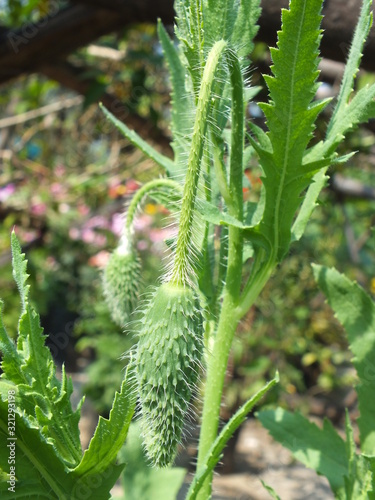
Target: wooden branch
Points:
(54, 107)
(61, 32)
(351, 188)
(73, 78)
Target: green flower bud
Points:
(168, 360)
(121, 279)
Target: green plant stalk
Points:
(183, 246)
(142, 193)
(218, 359)
(228, 318)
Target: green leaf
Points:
(320, 449)
(358, 484)
(182, 100)
(11, 361)
(245, 27)
(220, 442)
(290, 119)
(346, 116)
(356, 312)
(211, 213)
(19, 264)
(40, 472)
(132, 136)
(142, 482)
(109, 435)
(189, 30)
(44, 399)
(319, 180)
(351, 69)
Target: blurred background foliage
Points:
(65, 178)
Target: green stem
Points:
(219, 358)
(228, 318)
(140, 195)
(183, 246)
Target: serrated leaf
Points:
(19, 264)
(132, 136)
(39, 470)
(346, 114)
(356, 312)
(109, 435)
(245, 27)
(189, 30)
(220, 442)
(11, 360)
(320, 449)
(290, 119)
(41, 389)
(351, 69)
(40, 395)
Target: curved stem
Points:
(140, 195)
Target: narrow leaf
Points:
(319, 180)
(220, 442)
(132, 136)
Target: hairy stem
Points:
(183, 246)
(228, 318)
(140, 195)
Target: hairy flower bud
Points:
(168, 361)
(121, 279)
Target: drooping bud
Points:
(121, 280)
(169, 356)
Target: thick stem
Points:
(183, 246)
(219, 357)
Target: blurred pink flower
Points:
(83, 209)
(74, 233)
(97, 221)
(60, 170)
(142, 245)
(89, 236)
(38, 209)
(142, 222)
(117, 224)
(6, 191)
(56, 188)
